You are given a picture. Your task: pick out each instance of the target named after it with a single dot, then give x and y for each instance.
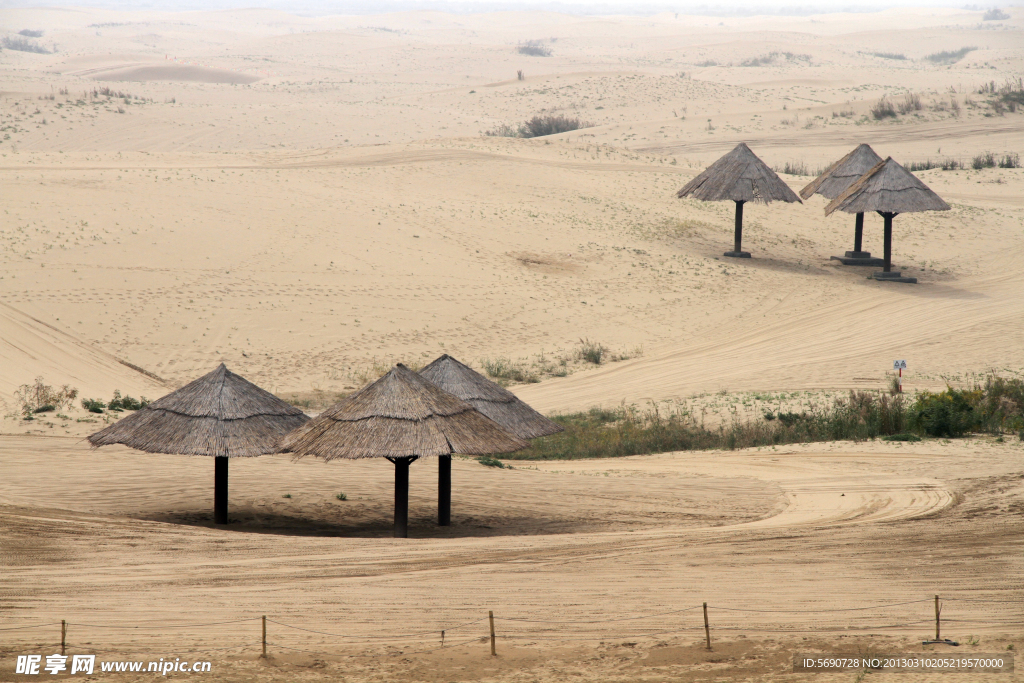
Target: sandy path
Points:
(892, 537)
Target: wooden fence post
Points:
(707, 628)
(264, 655)
(63, 635)
(490, 615)
(937, 611)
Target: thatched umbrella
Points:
(494, 401)
(220, 414)
(833, 182)
(889, 189)
(741, 177)
(400, 417)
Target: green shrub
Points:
(93, 405)
(341, 496)
(949, 413)
(119, 402)
(44, 409)
(490, 461)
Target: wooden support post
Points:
(858, 235)
(937, 611)
(220, 490)
(264, 655)
(888, 242)
(63, 635)
(738, 237)
(444, 490)
(402, 495)
(707, 627)
(490, 615)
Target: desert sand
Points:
(311, 199)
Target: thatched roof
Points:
(494, 401)
(888, 188)
(219, 414)
(739, 176)
(399, 415)
(842, 173)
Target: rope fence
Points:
(523, 629)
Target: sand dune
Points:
(31, 348)
(310, 199)
(184, 73)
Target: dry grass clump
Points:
(793, 168)
(509, 370)
(883, 108)
(40, 397)
(911, 102)
(947, 164)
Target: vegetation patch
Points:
(40, 397)
(949, 56)
(20, 43)
(534, 48)
(539, 126)
(996, 407)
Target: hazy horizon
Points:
(576, 7)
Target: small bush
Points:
(883, 109)
(490, 461)
(901, 437)
(29, 33)
(534, 48)
(538, 126)
(93, 405)
(22, 44)
(1011, 160)
(949, 56)
(32, 397)
(591, 352)
(706, 63)
(950, 413)
(995, 14)
(341, 496)
(911, 102)
(983, 160)
(44, 409)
